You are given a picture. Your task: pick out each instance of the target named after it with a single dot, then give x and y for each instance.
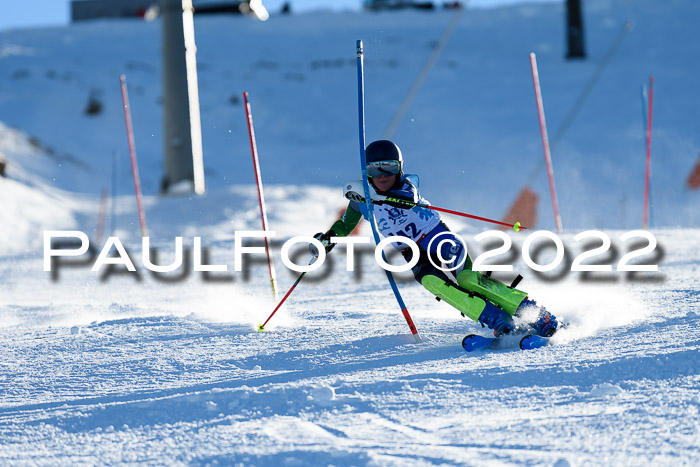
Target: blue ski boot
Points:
(496, 319)
(545, 323)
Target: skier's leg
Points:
(497, 292)
(473, 307)
(442, 245)
(512, 300)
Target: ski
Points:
(532, 341)
(474, 342)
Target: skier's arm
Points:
(347, 222)
(340, 228)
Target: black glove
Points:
(325, 239)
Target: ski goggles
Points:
(377, 169)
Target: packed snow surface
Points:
(117, 367)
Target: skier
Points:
(479, 297)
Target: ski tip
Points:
(525, 341)
(465, 341)
(532, 341)
(474, 342)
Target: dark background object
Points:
(574, 30)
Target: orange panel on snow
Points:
(523, 210)
(694, 179)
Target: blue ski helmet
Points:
(383, 157)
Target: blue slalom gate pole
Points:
(365, 183)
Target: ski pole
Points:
(517, 227)
(261, 327)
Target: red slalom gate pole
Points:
(261, 197)
(545, 140)
(647, 175)
(132, 152)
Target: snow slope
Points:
(123, 371)
(123, 368)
